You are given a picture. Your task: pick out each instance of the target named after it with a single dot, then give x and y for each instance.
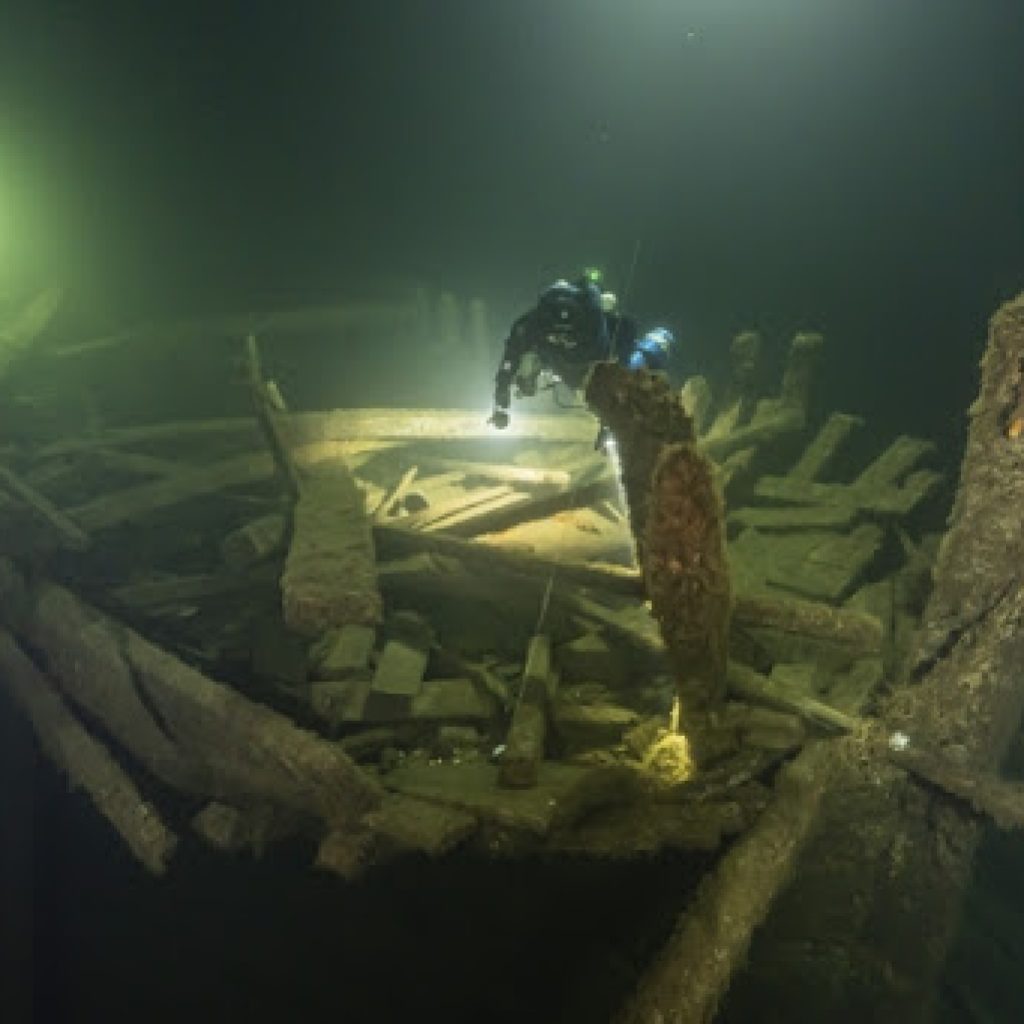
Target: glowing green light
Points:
(593, 275)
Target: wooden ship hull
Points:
(392, 631)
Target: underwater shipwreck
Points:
(392, 632)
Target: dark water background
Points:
(856, 168)
(849, 167)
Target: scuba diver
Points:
(573, 326)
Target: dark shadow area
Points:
(236, 939)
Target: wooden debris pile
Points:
(396, 629)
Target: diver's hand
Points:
(499, 419)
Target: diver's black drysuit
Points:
(567, 332)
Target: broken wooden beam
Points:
(330, 576)
(740, 399)
(854, 633)
(746, 684)
(563, 794)
(251, 543)
(524, 745)
(141, 500)
(768, 426)
(525, 478)
(744, 356)
(395, 495)
(233, 829)
(887, 487)
(407, 824)
(984, 792)
(341, 702)
(305, 428)
(477, 511)
(147, 594)
(889, 468)
(265, 408)
(395, 541)
(84, 759)
(687, 980)
(454, 506)
(789, 520)
(483, 516)
(801, 364)
(132, 462)
(400, 670)
(600, 592)
(822, 450)
(822, 565)
(695, 396)
(481, 674)
(71, 534)
(343, 653)
(191, 732)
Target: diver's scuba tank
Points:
(652, 350)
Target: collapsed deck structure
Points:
(390, 631)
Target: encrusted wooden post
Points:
(677, 519)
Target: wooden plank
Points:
(524, 744)
(894, 463)
(581, 727)
(395, 495)
(344, 652)
(71, 535)
(86, 762)
(134, 462)
(818, 564)
(563, 793)
(764, 429)
(395, 541)
(821, 452)
(153, 592)
(410, 824)
(303, 428)
(452, 700)
(526, 478)
(330, 575)
(784, 520)
(266, 411)
(459, 503)
(400, 669)
(746, 684)
(254, 541)
(483, 516)
(804, 492)
(135, 503)
(346, 702)
(696, 399)
(883, 488)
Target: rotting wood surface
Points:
(864, 930)
(191, 732)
